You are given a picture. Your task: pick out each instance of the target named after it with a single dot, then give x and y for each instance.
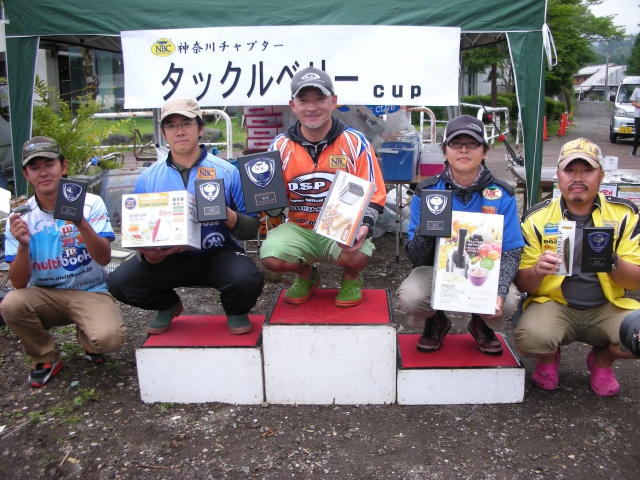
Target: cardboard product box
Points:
(467, 264)
(163, 219)
(258, 110)
(269, 120)
(263, 132)
(258, 143)
(5, 203)
(344, 207)
(262, 180)
(629, 192)
(610, 163)
(70, 200)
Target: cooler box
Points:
(399, 159)
(431, 160)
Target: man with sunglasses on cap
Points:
(585, 307)
(475, 189)
(56, 269)
(149, 280)
(313, 150)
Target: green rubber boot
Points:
(162, 320)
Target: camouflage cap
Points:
(40, 147)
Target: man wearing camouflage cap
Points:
(585, 307)
(56, 269)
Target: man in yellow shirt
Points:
(586, 307)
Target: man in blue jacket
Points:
(149, 280)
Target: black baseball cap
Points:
(465, 125)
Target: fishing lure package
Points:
(565, 246)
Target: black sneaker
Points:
(435, 329)
(96, 358)
(41, 373)
(485, 337)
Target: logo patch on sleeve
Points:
(337, 161)
(205, 173)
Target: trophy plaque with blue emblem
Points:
(70, 200)
(210, 200)
(597, 249)
(262, 181)
(435, 213)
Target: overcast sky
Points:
(627, 13)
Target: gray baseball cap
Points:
(311, 77)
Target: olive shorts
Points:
(294, 244)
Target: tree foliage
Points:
(477, 60)
(574, 29)
(633, 62)
(79, 135)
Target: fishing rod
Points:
(515, 158)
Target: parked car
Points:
(622, 124)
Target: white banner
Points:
(379, 65)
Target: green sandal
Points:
(301, 289)
(350, 293)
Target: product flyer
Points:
(467, 265)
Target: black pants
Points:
(636, 137)
(151, 287)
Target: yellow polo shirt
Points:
(540, 229)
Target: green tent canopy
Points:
(97, 24)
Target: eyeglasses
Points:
(175, 126)
(457, 144)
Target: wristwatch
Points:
(369, 224)
(614, 264)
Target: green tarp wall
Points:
(98, 24)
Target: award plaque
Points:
(262, 182)
(210, 200)
(70, 200)
(597, 249)
(435, 213)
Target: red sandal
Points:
(545, 375)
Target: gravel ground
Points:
(89, 422)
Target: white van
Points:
(622, 124)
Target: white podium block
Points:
(197, 360)
(458, 373)
(320, 354)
